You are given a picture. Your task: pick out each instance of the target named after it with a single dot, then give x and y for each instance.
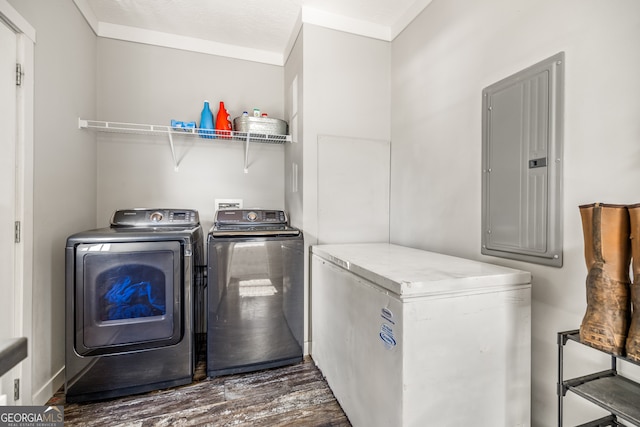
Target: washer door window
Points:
(128, 296)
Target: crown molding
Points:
(13, 19)
(292, 38)
(157, 38)
(307, 15)
(88, 14)
(408, 16)
(343, 23)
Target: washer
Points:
(130, 297)
(255, 267)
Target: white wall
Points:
(353, 190)
(64, 174)
(342, 91)
(294, 113)
(152, 85)
(440, 64)
(345, 94)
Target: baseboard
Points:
(51, 387)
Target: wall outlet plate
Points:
(228, 204)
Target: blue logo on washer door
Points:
(386, 335)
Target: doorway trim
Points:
(26, 39)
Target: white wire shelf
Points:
(170, 132)
(144, 129)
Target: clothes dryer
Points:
(130, 304)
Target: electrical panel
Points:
(522, 164)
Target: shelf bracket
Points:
(246, 153)
(173, 152)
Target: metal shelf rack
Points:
(614, 393)
(207, 135)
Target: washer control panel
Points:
(250, 216)
(142, 217)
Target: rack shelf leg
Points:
(173, 152)
(246, 154)
(560, 386)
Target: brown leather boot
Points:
(633, 337)
(607, 254)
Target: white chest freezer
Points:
(407, 337)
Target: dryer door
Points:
(128, 296)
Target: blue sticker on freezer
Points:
(387, 315)
(386, 335)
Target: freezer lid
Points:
(410, 272)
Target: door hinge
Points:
(19, 74)
(16, 389)
(16, 231)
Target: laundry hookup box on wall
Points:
(407, 337)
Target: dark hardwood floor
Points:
(294, 395)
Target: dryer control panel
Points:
(143, 217)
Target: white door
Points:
(8, 291)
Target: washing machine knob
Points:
(156, 217)
(252, 216)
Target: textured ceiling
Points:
(259, 25)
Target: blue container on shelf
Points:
(181, 125)
(206, 122)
